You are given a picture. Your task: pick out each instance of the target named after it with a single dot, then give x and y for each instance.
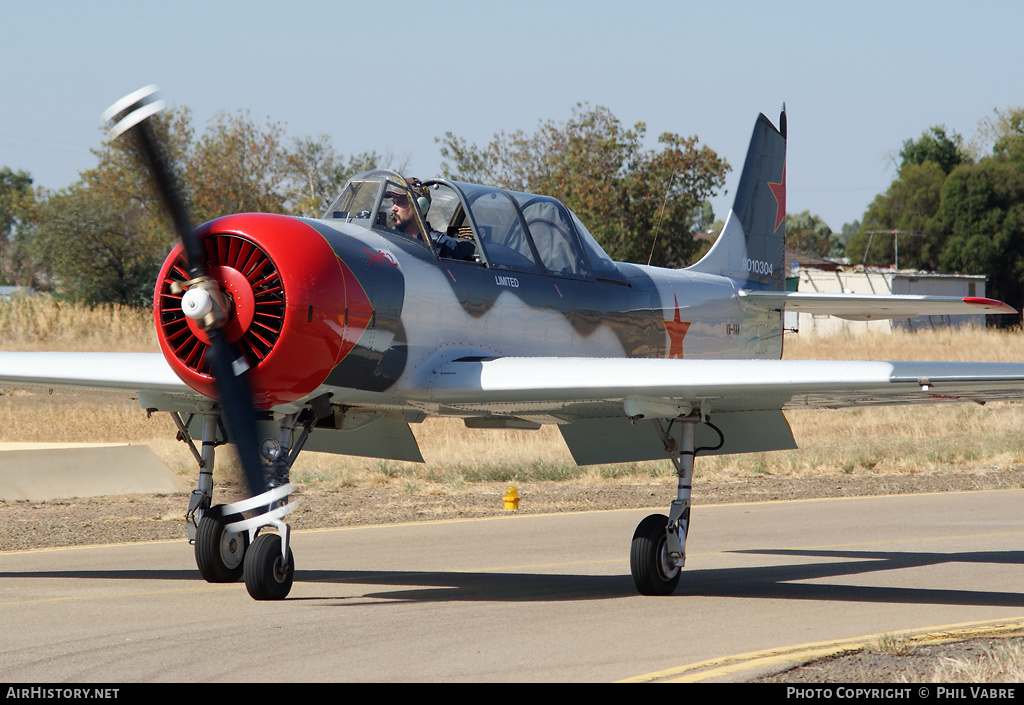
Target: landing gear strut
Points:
(658, 551)
(227, 545)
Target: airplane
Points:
(411, 299)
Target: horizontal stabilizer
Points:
(868, 307)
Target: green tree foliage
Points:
(15, 192)
(17, 214)
(983, 211)
(907, 216)
(956, 210)
(625, 194)
(934, 145)
(104, 238)
(100, 249)
(905, 221)
(846, 234)
(811, 235)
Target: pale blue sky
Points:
(857, 78)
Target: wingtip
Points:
(990, 305)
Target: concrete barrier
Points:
(37, 472)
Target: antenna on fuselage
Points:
(664, 203)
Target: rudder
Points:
(751, 248)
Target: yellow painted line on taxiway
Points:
(775, 660)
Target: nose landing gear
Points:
(227, 545)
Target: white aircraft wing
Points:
(146, 378)
(100, 374)
(541, 383)
(866, 307)
(598, 402)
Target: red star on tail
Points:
(779, 191)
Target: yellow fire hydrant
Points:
(511, 498)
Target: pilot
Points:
(402, 214)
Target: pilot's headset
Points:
(422, 195)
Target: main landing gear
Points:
(229, 546)
(658, 551)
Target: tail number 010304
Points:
(756, 266)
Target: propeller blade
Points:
(131, 115)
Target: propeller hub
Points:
(197, 303)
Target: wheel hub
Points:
(231, 550)
(667, 566)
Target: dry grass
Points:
(1000, 663)
(952, 344)
(893, 645)
(888, 440)
(43, 323)
(906, 439)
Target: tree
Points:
(1003, 134)
(811, 235)
(846, 234)
(315, 174)
(627, 196)
(963, 210)
(905, 219)
(237, 167)
(947, 151)
(103, 238)
(910, 206)
(17, 212)
(100, 249)
(983, 209)
(15, 190)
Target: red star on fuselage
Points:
(779, 191)
(676, 330)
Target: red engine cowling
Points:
(294, 307)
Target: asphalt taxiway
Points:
(518, 598)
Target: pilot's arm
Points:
(449, 247)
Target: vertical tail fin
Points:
(751, 248)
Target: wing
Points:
(147, 378)
(582, 387)
(128, 375)
(597, 401)
(865, 307)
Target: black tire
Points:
(265, 576)
(219, 555)
(648, 558)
